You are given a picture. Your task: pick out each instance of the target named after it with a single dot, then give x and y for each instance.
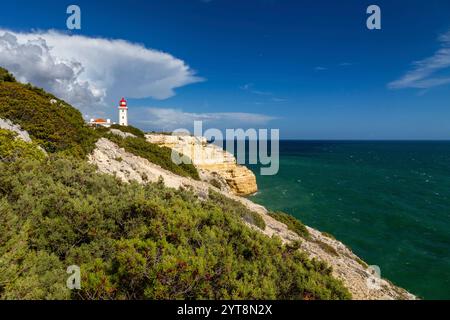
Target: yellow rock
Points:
(215, 165)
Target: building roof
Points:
(99, 121)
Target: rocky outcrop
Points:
(354, 273)
(21, 134)
(215, 165)
(111, 159)
(122, 134)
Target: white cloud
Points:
(423, 75)
(171, 119)
(33, 62)
(92, 71)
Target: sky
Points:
(311, 69)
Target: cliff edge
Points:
(354, 273)
(216, 166)
(59, 211)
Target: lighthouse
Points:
(123, 113)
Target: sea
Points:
(388, 201)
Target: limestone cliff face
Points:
(215, 165)
(111, 159)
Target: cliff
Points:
(161, 234)
(214, 165)
(347, 267)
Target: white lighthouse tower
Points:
(123, 113)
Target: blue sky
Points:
(310, 68)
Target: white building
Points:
(123, 117)
(100, 123)
(123, 113)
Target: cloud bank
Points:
(89, 72)
(424, 72)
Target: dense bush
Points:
(12, 148)
(161, 156)
(56, 126)
(292, 223)
(137, 242)
(5, 76)
(234, 207)
(327, 248)
(131, 241)
(60, 128)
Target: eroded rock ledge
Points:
(214, 165)
(347, 267)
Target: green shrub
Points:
(162, 132)
(60, 128)
(131, 241)
(13, 149)
(57, 127)
(215, 183)
(161, 156)
(137, 242)
(237, 209)
(327, 248)
(362, 263)
(328, 235)
(292, 223)
(5, 76)
(129, 129)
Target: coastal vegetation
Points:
(327, 248)
(60, 128)
(129, 129)
(51, 122)
(161, 156)
(292, 223)
(137, 242)
(328, 235)
(238, 209)
(5, 76)
(12, 149)
(131, 241)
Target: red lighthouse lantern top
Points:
(123, 103)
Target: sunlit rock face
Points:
(215, 165)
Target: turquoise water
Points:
(388, 201)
